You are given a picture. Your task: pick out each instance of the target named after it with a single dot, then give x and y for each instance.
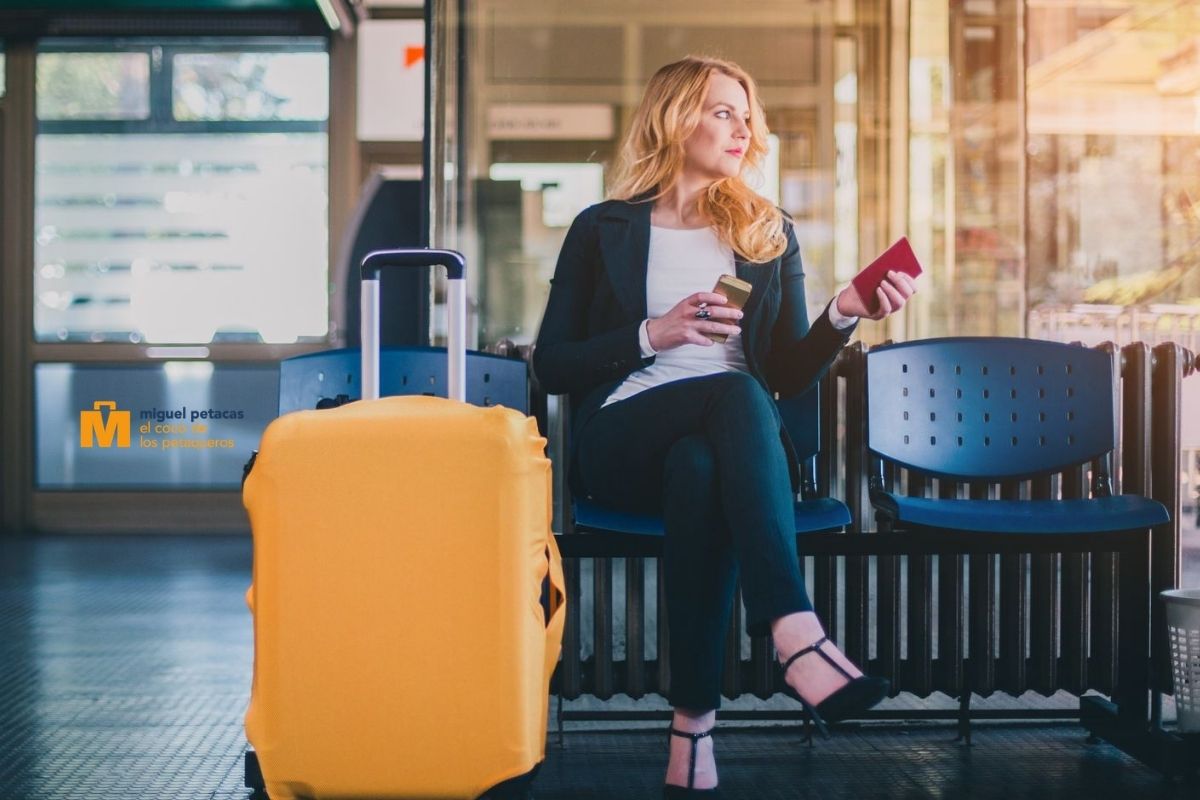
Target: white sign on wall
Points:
(562, 121)
(391, 80)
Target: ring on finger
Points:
(703, 313)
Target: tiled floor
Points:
(125, 669)
(880, 761)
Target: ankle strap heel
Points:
(815, 647)
(677, 792)
(856, 696)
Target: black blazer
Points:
(588, 342)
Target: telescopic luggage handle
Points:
(456, 296)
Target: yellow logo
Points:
(94, 428)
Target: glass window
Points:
(1113, 151)
(1114, 162)
(1052, 189)
(93, 86)
(1043, 157)
(188, 231)
(251, 86)
(930, 169)
(845, 134)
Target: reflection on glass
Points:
(1049, 159)
(930, 170)
(93, 86)
(845, 135)
(564, 188)
(184, 238)
(524, 211)
(1046, 168)
(965, 168)
(546, 61)
(1114, 166)
(251, 86)
(3, 83)
(1113, 94)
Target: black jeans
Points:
(705, 453)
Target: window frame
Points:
(161, 54)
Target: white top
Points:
(683, 261)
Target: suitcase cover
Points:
(401, 649)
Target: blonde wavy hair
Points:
(652, 156)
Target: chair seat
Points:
(1119, 513)
(821, 514)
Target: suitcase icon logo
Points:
(95, 430)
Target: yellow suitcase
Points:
(400, 549)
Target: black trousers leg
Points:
(699, 570)
(705, 453)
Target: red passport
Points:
(898, 257)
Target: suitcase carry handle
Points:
(376, 260)
(456, 297)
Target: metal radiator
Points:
(1007, 623)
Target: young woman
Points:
(670, 422)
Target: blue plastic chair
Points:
(996, 409)
(1003, 409)
(801, 418)
(332, 377)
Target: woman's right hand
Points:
(680, 326)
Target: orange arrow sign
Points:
(413, 54)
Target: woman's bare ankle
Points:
(811, 675)
(692, 721)
(679, 765)
(793, 632)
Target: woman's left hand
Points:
(890, 296)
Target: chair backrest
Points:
(491, 380)
(975, 407)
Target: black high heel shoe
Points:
(856, 696)
(672, 792)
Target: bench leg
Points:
(1133, 620)
(964, 716)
